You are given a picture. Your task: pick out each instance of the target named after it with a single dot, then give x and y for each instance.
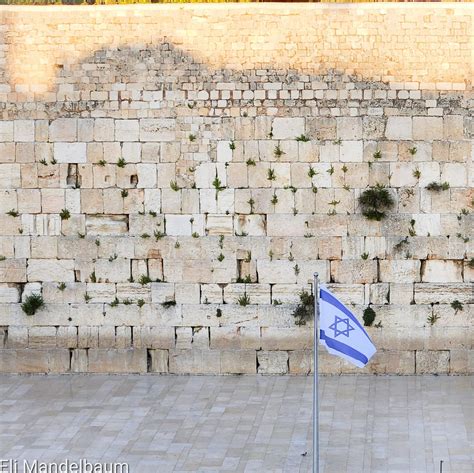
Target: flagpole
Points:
(316, 378)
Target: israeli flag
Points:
(341, 333)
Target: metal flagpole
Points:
(316, 377)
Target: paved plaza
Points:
(161, 424)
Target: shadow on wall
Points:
(375, 42)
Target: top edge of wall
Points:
(380, 6)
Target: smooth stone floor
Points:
(161, 424)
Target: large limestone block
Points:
(276, 272)
(12, 270)
(272, 362)
(257, 293)
(159, 361)
(34, 361)
(399, 128)
(70, 152)
(117, 270)
(442, 271)
(79, 361)
(235, 337)
(50, 270)
(300, 362)
(24, 130)
(17, 336)
(194, 362)
(127, 130)
(287, 128)
(106, 224)
(238, 362)
(6, 131)
(117, 361)
(63, 129)
(399, 271)
(283, 338)
(432, 362)
(42, 337)
(162, 292)
(427, 128)
(10, 176)
(354, 271)
(444, 293)
(349, 128)
(159, 129)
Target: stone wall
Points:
(172, 176)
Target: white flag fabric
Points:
(340, 331)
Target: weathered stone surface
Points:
(272, 362)
(117, 361)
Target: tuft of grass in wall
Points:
(271, 175)
(457, 306)
(438, 186)
(220, 258)
(140, 303)
(61, 286)
(145, 235)
(302, 138)
(43, 162)
(274, 200)
(465, 239)
(417, 173)
(113, 257)
(470, 263)
(102, 162)
(174, 186)
(192, 137)
(304, 311)
(13, 213)
(87, 298)
(330, 171)
(81, 235)
(65, 214)
(251, 202)
(114, 303)
(364, 256)
(97, 242)
(32, 303)
(121, 163)
(93, 277)
(232, 145)
(338, 141)
(221, 241)
(375, 202)
(246, 280)
(158, 235)
(411, 228)
(250, 162)
(195, 235)
(124, 193)
(377, 154)
(369, 316)
(217, 184)
(2, 258)
(432, 319)
(177, 244)
(277, 302)
(144, 279)
(54, 161)
(401, 244)
(311, 172)
(413, 150)
(296, 269)
(278, 152)
(243, 300)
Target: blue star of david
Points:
(345, 331)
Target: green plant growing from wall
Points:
(124, 193)
(195, 235)
(278, 152)
(192, 137)
(250, 162)
(61, 286)
(54, 161)
(145, 235)
(217, 184)
(168, 304)
(221, 258)
(330, 171)
(158, 234)
(411, 228)
(102, 162)
(244, 300)
(43, 162)
(140, 303)
(271, 175)
(65, 214)
(121, 163)
(251, 202)
(375, 202)
(302, 138)
(438, 186)
(114, 303)
(174, 186)
(369, 316)
(432, 319)
(274, 200)
(377, 154)
(311, 172)
(470, 263)
(144, 279)
(232, 145)
(32, 303)
(304, 311)
(13, 213)
(364, 256)
(93, 277)
(87, 298)
(413, 150)
(457, 306)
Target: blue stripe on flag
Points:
(330, 299)
(343, 348)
